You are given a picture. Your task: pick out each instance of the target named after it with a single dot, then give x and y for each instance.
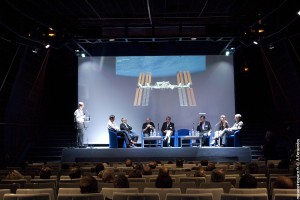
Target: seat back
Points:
(277, 191)
(4, 191)
(162, 191)
(37, 191)
(197, 180)
(244, 197)
(69, 191)
(115, 141)
(40, 196)
(12, 186)
(108, 192)
(135, 196)
(202, 196)
(225, 185)
(216, 192)
(248, 191)
(88, 196)
(285, 197)
(142, 185)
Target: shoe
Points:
(213, 142)
(132, 146)
(169, 145)
(129, 146)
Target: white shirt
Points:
(111, 125)
(79, 115)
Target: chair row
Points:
(157, 193)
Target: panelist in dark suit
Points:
(168, 129)
(126, 127)
(204, 129)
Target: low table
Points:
(158, 141)
(191, 138)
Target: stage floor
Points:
(104, 154)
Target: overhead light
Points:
(76, 50)
(47, 46)
(111, 40)
(83, 55)
(255, 42)
(227, 53)
(35, 50)
(271, 46)
(193, 38)
(298, 12)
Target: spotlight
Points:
(227, 53)
(246, 69)
(76, 50)
(47, 46)
(35, 50)
(255, 42)
(193, 38)
(271, 46)
(298, 12)
(111, 40)
(83, 55)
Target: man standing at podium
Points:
(79, 117)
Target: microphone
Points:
(158, 126)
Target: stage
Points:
(217, 154)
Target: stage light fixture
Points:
(47, 46)
(227, 53)
(111, 40)
(271, 46)
(35, 50)
(83, 55)
(193, 38)
(255, 42)
(298, 12)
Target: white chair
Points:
(88, 196)
(248, 191)
(216, 192)
(225, 185)
(37, 191)
(162, 191)
(69, 191)
(4, 191)
(202, 196)
(184, 185)
(285, 197)
(135, 196)
(197, 180)
(108, 192)
(277, 191)
(40, 196)
(142, 185)
(226, 196)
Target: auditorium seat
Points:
(115, 141)
(216, 192)
(126, 196)
(108, 192)
(179, 134)
(244, 197)
(202, 196)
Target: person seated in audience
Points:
(152, 164)
(271, 165)
(238, 166)
(163, 180)
(146, 170)
(139, 167)
(45, 173)
(14, 175)
(199, 173)
(248, 181)
(128, 163)
(252, 168)
(179, 163)
(204, 162)
(99, 167)
(75, 172)
(283, 182)
(217, 175)
(135, 174)
(284, 164)
(107, 175)
(121, 181)
(210, 167)
(88, 184)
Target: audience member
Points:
(99, 167)
(179, 163)
(147, 170)
(45, 173)
(152, 164)
(14, 175)
(163, 179)
(204, 162)
(88, 184)
(135, 174)
(283, 182)
(108, 175)
(121, 181)
(270, 147)
(210, 167)
(284, 164)
(252, 168)
(128, 163)
(199, 173)
(217, 175)
(248, 181)
(75, 172)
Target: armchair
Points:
(115, 141)
(234, 139)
